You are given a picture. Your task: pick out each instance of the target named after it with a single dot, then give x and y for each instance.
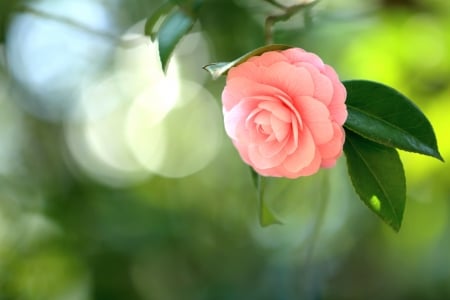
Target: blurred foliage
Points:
(109, 228)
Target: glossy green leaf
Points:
(383, 115)
(173, 28)
(218, 69)
(377, 176)
(153, 22)
(266, 216)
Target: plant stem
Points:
(287, 13)
(261, 186)
(275, 3)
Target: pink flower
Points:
(284, 112)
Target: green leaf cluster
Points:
(381, 120)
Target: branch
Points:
(67, 21)
(275, 3)
(288, 12)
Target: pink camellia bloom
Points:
(284, 112)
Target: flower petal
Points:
(246, 69)
(269, 149)
(295, 82)
(337, 107)
(317, 118)
(323, 87)
(313, 167)
(278, 109)
(240, 88)
(235, 120)
(338, 112)
(262, 162)
(333, 149)
(267, 59)
(279, 128)
(263, 117)
(296, 55)
(242, 150)
(303, 155)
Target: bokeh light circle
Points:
(185, 141)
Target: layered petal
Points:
(317, 118)
(292, 80)
(235, 120)
(297, 55)
(241, 88)
(303, 155)
(333, 149)
(284, 112)
(263, 162)
(267, 59)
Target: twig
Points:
(65, 20)
(288, 12)
(275, 3)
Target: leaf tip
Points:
(268, 218)
(164, 62)
(433, 151)
(395, 226)
(269, 222)
(208, 68)
(216, 69)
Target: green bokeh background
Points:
(67, 234)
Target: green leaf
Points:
(383, 115)
(255, 177)
(266, 216)
(377, 176)
(218, 69)
(153, 22)
(173, 28)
